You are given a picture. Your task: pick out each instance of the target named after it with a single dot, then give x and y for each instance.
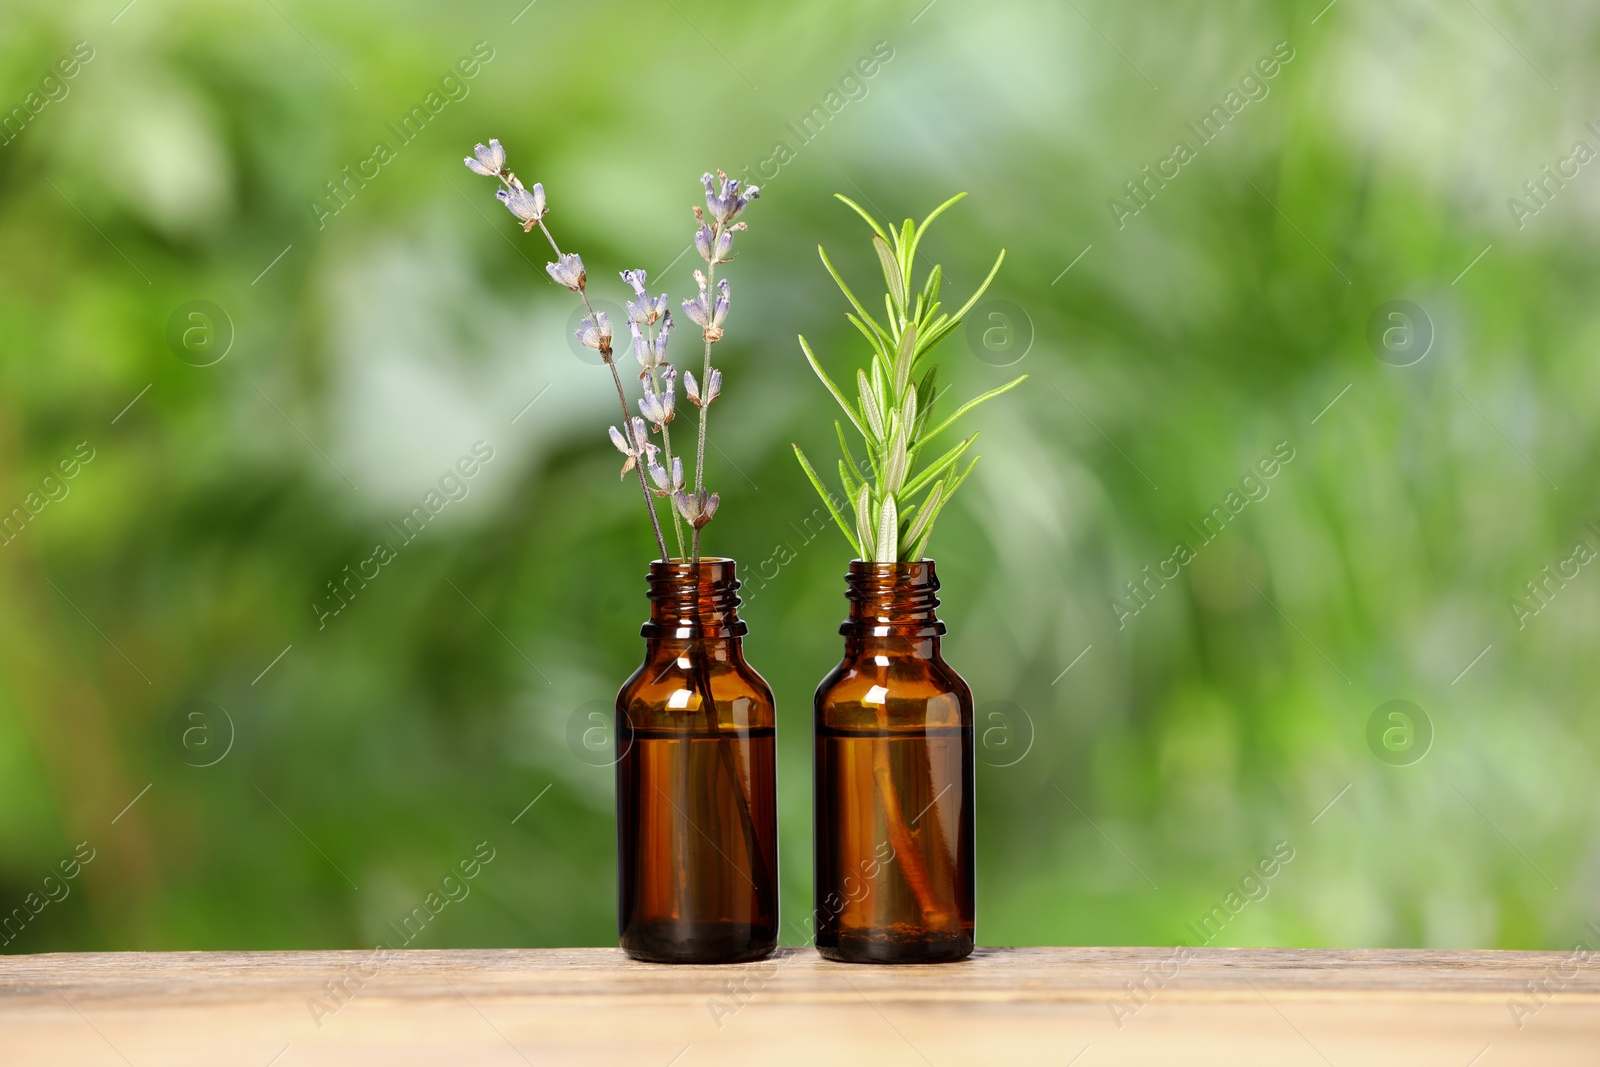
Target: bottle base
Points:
(886, 947)
(698, 942)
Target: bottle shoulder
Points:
(667, 692)
(870, 690)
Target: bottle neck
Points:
(893, 609)
(694, 602)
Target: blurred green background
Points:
(363, 755)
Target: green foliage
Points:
(894, 404)
(1208, 321)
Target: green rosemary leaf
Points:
(924, 515)
(888, 531)
(891, 276)
(848, 480)
(930, 289)
(844, 446)
(834, 389)
(969, 405)
(937, 467)
(894, 468)
(827, 498)
(864, 522)
(920, 549)
(850, 296)
(859, 211)
(925, 397)
(992, 272)
(940, 210)
(907, 252)
(869, 407)
(873, 339)
(904, 358)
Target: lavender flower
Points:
(643, 350)
(640, 445)
(527, 207)
(661, 334)
(644, 310)
(668, 485)
(567, 270)
(657, 407)
(650, 354)
(490, 161)
(726, 204)
(714, 248)
(697, 507)
(691, 388)
(596, 332)
(706, 313)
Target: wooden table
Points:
(593, 1006)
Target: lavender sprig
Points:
(529, 208)
(725, 202)
(659, 377)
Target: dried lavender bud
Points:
(526, 206)
(490, 161)
(640, 445)
(706, 312)
(643, 350)
(655, 406)
(661, 334)
(691, 387)
(725, 205)
(636, 279)
(595, 332)
(697, 507)
(665, 484)
(567, 271)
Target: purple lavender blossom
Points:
(595, 331)
(640, 445)
(567, 271)
(490, 160)
(691, 388)
(527, 206)
(706, 312)
(697, 507)
(655, 406)
(726, 204)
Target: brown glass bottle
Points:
(697, 829)
(893, 780)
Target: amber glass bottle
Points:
(893, 780)
(697, 830)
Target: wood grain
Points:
(1012, 1006)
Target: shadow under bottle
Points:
(697, 835)
(893, 780)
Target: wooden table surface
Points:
(1087, 1007)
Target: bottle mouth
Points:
(898, 599)
(689, 600)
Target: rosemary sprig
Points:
(894, 503)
